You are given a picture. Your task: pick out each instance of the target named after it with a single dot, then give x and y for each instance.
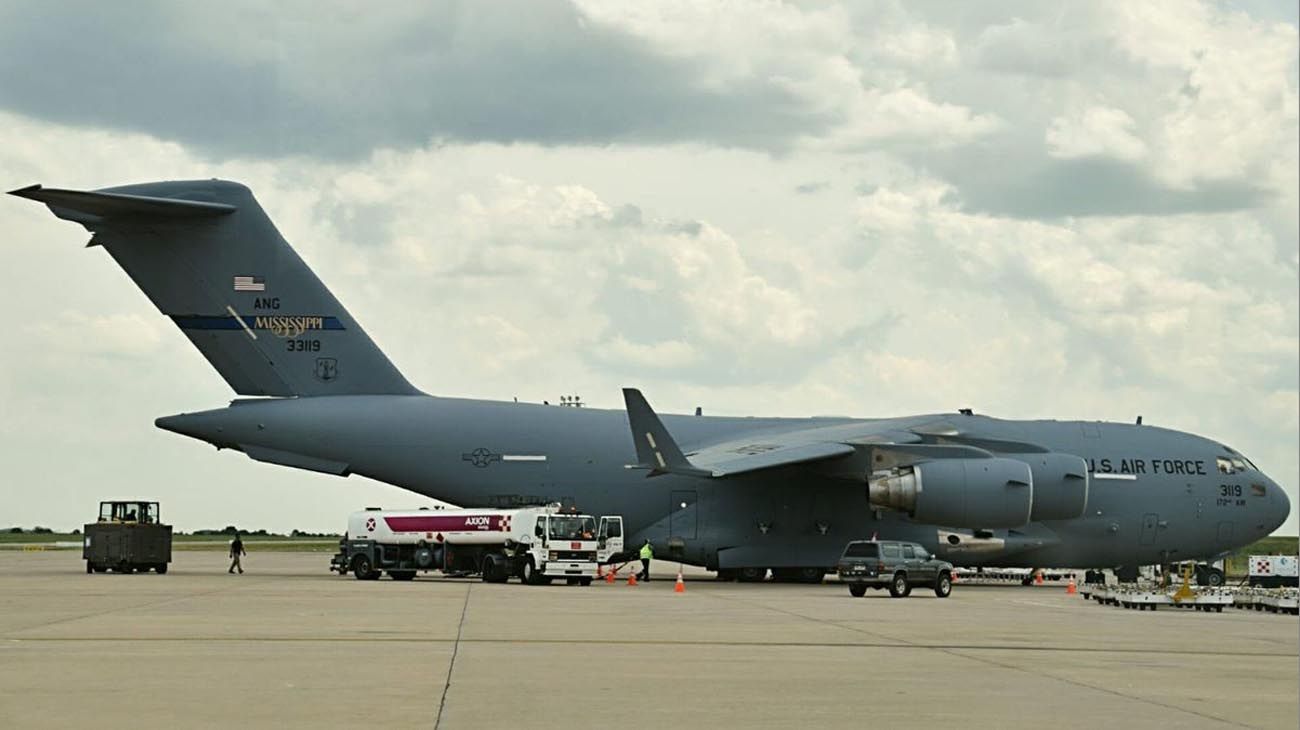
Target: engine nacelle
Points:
(975, 493)
(1060, 485)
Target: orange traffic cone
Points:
(681, 585)
(1070, 588)
(631, 578)
(609, 577)
(1038, 578)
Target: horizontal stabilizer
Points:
(90, 206)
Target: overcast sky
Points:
(1038, 210)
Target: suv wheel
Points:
(899, 587)
(943, 586)
(857, 590)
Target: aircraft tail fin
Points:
(208, 256)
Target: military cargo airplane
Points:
(743, 496)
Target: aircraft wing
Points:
(658, 452)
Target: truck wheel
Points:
(1213, 577)
(363, 569)
(528, 573)
(424, 557)
(857, 590)
(160, 569)
(585, 580)
(943, 586)
(898, 587)
(494, 569)
(401, 574)
(89, 568)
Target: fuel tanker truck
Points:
(535, 544)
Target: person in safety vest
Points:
(647, 553)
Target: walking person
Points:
(236, 551)
(647, 553)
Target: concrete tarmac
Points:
(290, 645)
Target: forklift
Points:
(128, 536)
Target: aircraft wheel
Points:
(943, 586)
(898, 587)
(811, 575)
(857, 590)
(751, 575)
(726, 574)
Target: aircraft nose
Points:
(1279, 505)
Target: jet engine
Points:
(974, 493)
(1060, 485)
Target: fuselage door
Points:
(1150, 521)
(683, 518)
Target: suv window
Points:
(890, 551)
(862, 550)
(908, 552)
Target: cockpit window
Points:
(1233, 464)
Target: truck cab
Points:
(563, 546)
(609, 540)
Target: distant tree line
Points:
(232, 530)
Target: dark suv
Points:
(897, 566)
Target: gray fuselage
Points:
(1154, 495)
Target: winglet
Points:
(655, 448)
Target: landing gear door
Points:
(611, 538)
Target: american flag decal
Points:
(250, 283)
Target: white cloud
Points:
(1098, 131)
(688, 264)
